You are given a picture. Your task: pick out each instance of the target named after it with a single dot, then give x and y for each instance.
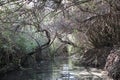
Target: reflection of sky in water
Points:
(59, 71)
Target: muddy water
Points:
(58, 69)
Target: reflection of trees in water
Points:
(48, 70)
(43, 73)
(20, 75)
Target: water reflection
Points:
(58, 69)
(61, 69)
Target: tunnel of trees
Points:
(35, 30)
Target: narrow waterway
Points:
(58, 69)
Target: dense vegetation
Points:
(34, 30)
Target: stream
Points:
(58, 69)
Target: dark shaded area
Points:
(42, 72)
(95, 57)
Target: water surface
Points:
(57, 69)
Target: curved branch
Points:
(48, 37)
(40, 48)
(66, 42)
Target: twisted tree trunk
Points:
(113, 64)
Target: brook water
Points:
(58, 69)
